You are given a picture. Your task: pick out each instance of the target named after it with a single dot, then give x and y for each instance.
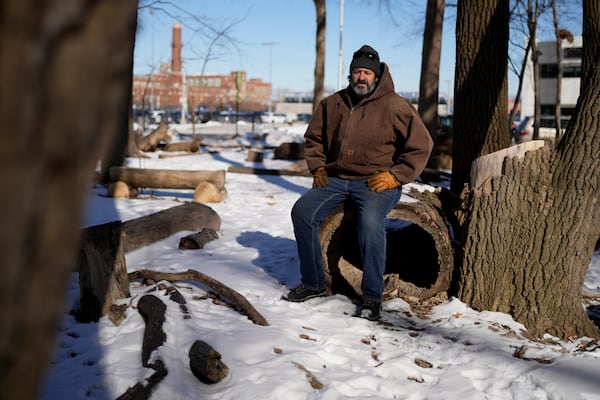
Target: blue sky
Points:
(276, 40)
(291, 26)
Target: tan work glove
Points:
(382, 181)
(320, 178)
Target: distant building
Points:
(169, 88)
(571, 78)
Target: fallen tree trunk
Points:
(151, 228)
(153, 311)
(166, 179)
(266, 171)
(240, 301)
(419, 256)
(151, 141)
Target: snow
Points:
(453, 353)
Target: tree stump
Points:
(102, 271)
(419, 256)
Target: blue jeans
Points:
(316, 204)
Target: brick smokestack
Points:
(176, 50)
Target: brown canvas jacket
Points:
(381, 133)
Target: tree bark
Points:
(321, 18)
(430, 72)
(480, 115)
(165, 178)
(102, 271)
(530, 231)
(65, 73)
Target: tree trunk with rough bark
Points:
(530, 232)
(430, 73)
(481, 85)
(318, 91)
(65, 73)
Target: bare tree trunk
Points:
(481, 85)
(532, 22)
(65, 73)
(531, 232)
(559, 58)
(318, 91)
(430, 70)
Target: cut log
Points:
(206, 364)
(151, 141)
(289, 151)
(165, 178)
(419, 256)
(267, 171)
(207, 192)
(102, 271)
(240, 301)
(199, 239)
(191, 147)
(151, 228)
(255, 155)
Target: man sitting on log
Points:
(363, 143)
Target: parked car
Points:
(524, 130)
(273, 118)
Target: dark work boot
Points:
(303, 293)
(371, 309)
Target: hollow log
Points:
(419, 256)
(166, 179)
(151, 228)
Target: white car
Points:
(273, 118)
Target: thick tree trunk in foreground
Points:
(65, 73)
(531, 231)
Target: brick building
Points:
(167, 87)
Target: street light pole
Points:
(270, 44)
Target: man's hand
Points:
(320, 178)
(382, 181)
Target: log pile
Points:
(208, 186)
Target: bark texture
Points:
(66, 74)
(481, 85)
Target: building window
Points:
(571, 71)
(548, 70)
(572, 52)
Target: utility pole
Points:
(341, 52)
(270, 44)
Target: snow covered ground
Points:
(311, 350)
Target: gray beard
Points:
(363, 92)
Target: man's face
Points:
(363, 81)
